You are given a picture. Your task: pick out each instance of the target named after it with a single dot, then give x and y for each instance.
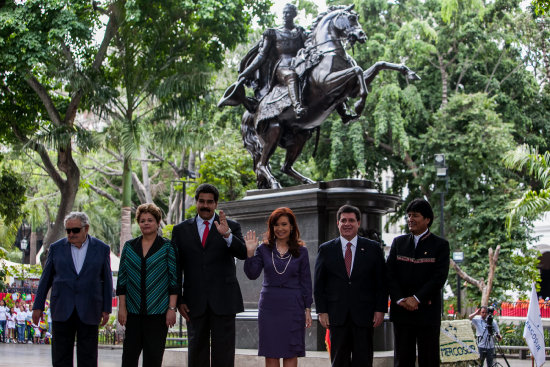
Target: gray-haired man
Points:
(78, 270)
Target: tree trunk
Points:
(493, 258)
(126, 210)
(68, 189)
(145, 174)
(485, 288)
(444, 87)
(188, 200)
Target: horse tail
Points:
(250, 138)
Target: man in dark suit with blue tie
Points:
(78, 270)
(418, 265)
(350, 291)
(207, 246)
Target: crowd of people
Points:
(195, 273)
(17, 326)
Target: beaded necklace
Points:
(289, 257)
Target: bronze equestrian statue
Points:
(298, 81)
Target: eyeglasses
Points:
(74, 230)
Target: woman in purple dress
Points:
(284, 309)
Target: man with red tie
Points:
(350, 291)
(208, 245)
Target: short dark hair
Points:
(349, 209)
(151, 209)
(423, 207)
(207, 189)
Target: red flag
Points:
(327, 341)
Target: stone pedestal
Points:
(315, 207)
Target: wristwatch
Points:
(229, 231)
(172, 308)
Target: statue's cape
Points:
(261, 80)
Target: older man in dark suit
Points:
(208, 245)
(78, 270)
(350, 291)
(418, 265)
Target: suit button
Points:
(349, 283)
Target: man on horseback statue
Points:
(299, 79)
(276, 50)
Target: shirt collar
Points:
(417, 238)
(85, 243)
(210, 221)
(344, 242)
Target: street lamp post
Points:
(189, 174)
(441, 173)
(458, 257)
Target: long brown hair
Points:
(294, 241)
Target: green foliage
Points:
(12, 196)
(474, 139)
(229, 169)
(536, 201)
(512, 334)
(541, 6)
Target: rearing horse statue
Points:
(329, 77)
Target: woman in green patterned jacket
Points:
(147, 288)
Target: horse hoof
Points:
(275, 185)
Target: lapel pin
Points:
(425, 253)
(362, 249)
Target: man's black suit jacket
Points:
(421, 272)
(359, 295)
(209, 273)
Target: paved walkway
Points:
(23, 355)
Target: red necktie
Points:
(347, 258)
(205, 233)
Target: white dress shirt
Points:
(201, 227)
(417, 238)
(79, 254)
(353, 247)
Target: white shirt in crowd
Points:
(11, 321)
(3, 311)
(21, 317)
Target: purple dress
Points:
(285, 295)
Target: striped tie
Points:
(347, 258)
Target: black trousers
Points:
(407, 337)
(351, 345)
(211, 331)
(64, 332)
(147, 333)
(487, 353)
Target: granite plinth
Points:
(315, 207)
